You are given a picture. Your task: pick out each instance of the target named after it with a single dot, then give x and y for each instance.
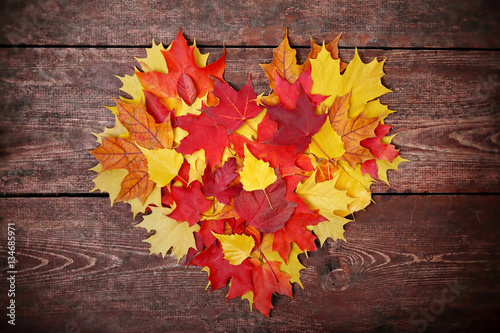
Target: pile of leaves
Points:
(241, 184)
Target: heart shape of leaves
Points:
(239, 183)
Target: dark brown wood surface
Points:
(424, 257)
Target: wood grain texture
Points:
(447, 122)
(388, 23)
(82, 264)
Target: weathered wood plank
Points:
(447, 123)
(389, 23)
(81, 265)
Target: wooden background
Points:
(425, 257)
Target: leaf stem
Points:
(268, 201)
(253, 129)
(317, 145)
(268, 264)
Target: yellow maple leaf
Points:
(333, 228)
(323, 196)
(236, 248)
(193, 109)
(357, 186)
(154, 198)
(250, 126)
(327, 143)
(197, 164)
(249, 297)
(293, 265)
(364, 80)
(170, 234)
(154, 61)
(163, 164)
(109, 181)
(256, 174)
(131, 86)
(117, 131)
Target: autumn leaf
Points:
(155, 107)
(282, 157)
(323, 196)
(268, 279)
(333, 228)
(217, 183)
(292, 266)
(295, 126)
(284, 63)
(256, 174)
(236, 248)
(142, 127)
(204, 134)
(352, 130)
(255, 208)
(235, 108)
(169, 234)
(379, 149)
(362, 80)
(191, 203)
(331, 47)
(221, 270)
(163, 164)
(295, 231)
(117, 153)
(327, 143)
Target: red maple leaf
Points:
(216, 226)
(221, 270)
(295, 231)
(288, 93)
(180, 60)
(370, 167)
(381, 150)
(295, 126)
(205, 134)
(283, 157)
(190, 203)
(256, 209)
(267, 279)
(156, 108)
(216, 183)
(234, 107)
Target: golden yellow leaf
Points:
(136, 206)
(249, 128)
(154, 61)
(256, 174)
(197, 164)
(236, 248)
(293, 266)
(109, 181)
(327, 143)
(333, 228)
(364, 80)
(383, 166)
(357, 186)
(163, 164)
(193, 109)
(249, 297)
(323, 196)
(170, 234)
(131, 86)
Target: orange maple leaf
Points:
(142, 127)
(284, 63)
(352, 130)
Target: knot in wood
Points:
(338, 279)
